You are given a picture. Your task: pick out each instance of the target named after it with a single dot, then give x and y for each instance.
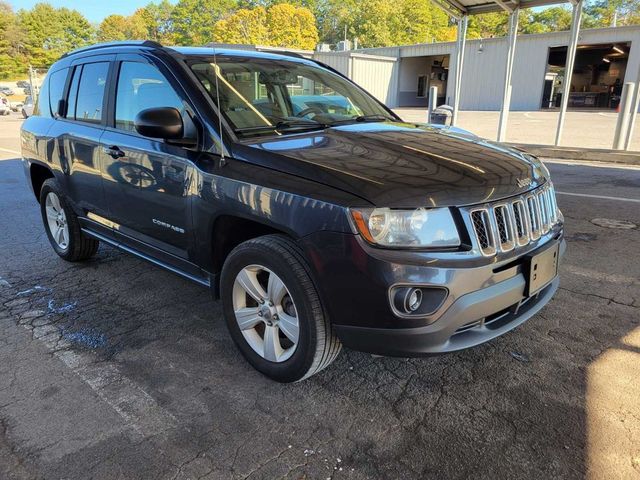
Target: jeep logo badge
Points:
(523, 182)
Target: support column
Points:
(506, 97)
(568, 71)
(459, 61)
(433, 102)
(622, 125)
(634, 111)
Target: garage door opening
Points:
(417, 75)
(598, 75)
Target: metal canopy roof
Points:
(458, 8)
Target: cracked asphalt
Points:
(116, 369)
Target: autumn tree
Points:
(246, 26)
(193, 20)
(291, 26)
(113, 28)
(281, 25)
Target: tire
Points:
(317, 344)
(75, 246)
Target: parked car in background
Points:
(22, 84)
(7, 91)
(27, 107)
(5, 107)
(16, 105)
(320, 221)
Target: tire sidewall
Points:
(301, 360)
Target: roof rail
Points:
(123, 43)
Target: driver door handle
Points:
(113, 152)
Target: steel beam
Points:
(568, 70)
(459, 63)
(506, 96)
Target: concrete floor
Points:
(115, 369)
(590, 129)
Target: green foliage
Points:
(49, 32)
(12, 60)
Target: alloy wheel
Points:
(265, 313)
(57, 221)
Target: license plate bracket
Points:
(541, 267)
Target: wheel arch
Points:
(227, 232)
(38, 174)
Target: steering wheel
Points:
(306, 111)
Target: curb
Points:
(582, 154)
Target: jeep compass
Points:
(316, 215)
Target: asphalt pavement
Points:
(116, 369)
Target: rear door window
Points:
(91, 88)
(73, 93)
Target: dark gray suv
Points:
(317, 216)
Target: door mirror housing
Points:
(161, 122)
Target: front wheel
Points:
(273, 310)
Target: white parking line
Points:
(602, 197)
(138, 408)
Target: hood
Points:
(401, 165)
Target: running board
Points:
(199, 280)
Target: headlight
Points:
(406, 228)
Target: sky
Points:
(93, 10)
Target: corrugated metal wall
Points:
(483, 75)
(376, 74)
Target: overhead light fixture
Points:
(606, 60)
(618, 49)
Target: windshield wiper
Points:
(283, 125)
(376, 117)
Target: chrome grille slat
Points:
(516, 222)
(484, 231)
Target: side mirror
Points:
(162, 122)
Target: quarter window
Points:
(142, 86)
(91, 92)
(56, 89)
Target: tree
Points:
(246, 26)
(50, 32)
(290, 26)
(12, 59)
(113, 28)
(193, 20)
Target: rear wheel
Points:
(62, 226)
(273, 310)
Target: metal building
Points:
(401, 76)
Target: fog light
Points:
(413, 300)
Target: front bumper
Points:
(484, 300)
(473, 319)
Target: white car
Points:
(5, 107)
(27, 107)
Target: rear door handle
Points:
(113, 152)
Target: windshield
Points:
(260, 96)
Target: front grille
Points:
(503, 226)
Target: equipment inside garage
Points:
(598, 74)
